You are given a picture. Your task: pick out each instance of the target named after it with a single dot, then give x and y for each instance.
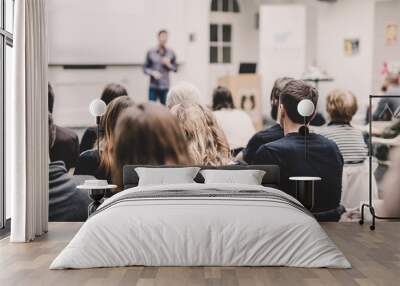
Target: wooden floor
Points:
(375, 257)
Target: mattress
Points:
(201, 225)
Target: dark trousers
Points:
(158, 94)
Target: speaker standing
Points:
(160, 61)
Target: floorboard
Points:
(374, 255)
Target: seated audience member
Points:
(323, 157)
(91, 162)
(66, 145)
(110, 92)
(235, 123)
(341, 107)
(393, 130)
(66, 202)
(318, 120)
(181, 92)
(389, 106)
(206, 141)
(270, 134)
(390, 205)
(148, 134)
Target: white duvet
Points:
(191, 231)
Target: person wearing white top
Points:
(235, 123)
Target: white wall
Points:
(309, 55)
(282, 44)
(336, 22)
(311, 24)
(76, 88)
(111, 32)
(327, 25)
(195, 69)
(386, 12)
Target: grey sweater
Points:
(66, 202)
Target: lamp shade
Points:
(97, 107)
(305, 108)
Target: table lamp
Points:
(97, 108)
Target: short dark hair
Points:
(222, 98)
(112, 91)
(50, 95)
(276, 93)
(162, 32)
(294, 92)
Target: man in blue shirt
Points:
(159, 62)
(319, 157)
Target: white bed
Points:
(224, 225)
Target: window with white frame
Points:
(225, 6)
(220, 43)
(6, 43)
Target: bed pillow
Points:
(247, 177)
(166, 176)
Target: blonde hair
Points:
(341, 105)
(181, 92)
(207, 143)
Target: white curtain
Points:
(27, 118)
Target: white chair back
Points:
(355, 184)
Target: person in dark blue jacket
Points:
(319, 157)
